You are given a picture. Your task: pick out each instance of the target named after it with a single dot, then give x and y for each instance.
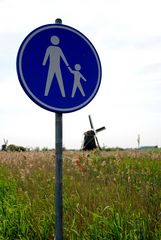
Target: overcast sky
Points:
(127, 37)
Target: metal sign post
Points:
(58, 177)
(58, 172)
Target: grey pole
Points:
(58, 172)
(58, 178)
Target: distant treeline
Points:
(15, 148)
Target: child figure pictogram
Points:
(77, 78)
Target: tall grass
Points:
(106, 195)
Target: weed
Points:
(106, 195)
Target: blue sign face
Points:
(59, 68)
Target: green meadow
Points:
(107, 195)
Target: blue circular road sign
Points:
(59, 68)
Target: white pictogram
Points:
(77, 78)
(55, 54)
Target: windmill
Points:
(4, 146)
(90, 139)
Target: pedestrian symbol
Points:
(59, 68)
(54, 53)
(77, 78)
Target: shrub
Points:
(14, 148)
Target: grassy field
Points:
(106, 195)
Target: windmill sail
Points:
(91, 123)
(100, 129)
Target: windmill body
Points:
(4, 146)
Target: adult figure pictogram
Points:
(55, 54)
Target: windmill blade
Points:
(91, 123)
(100, 129)
(97, 142)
